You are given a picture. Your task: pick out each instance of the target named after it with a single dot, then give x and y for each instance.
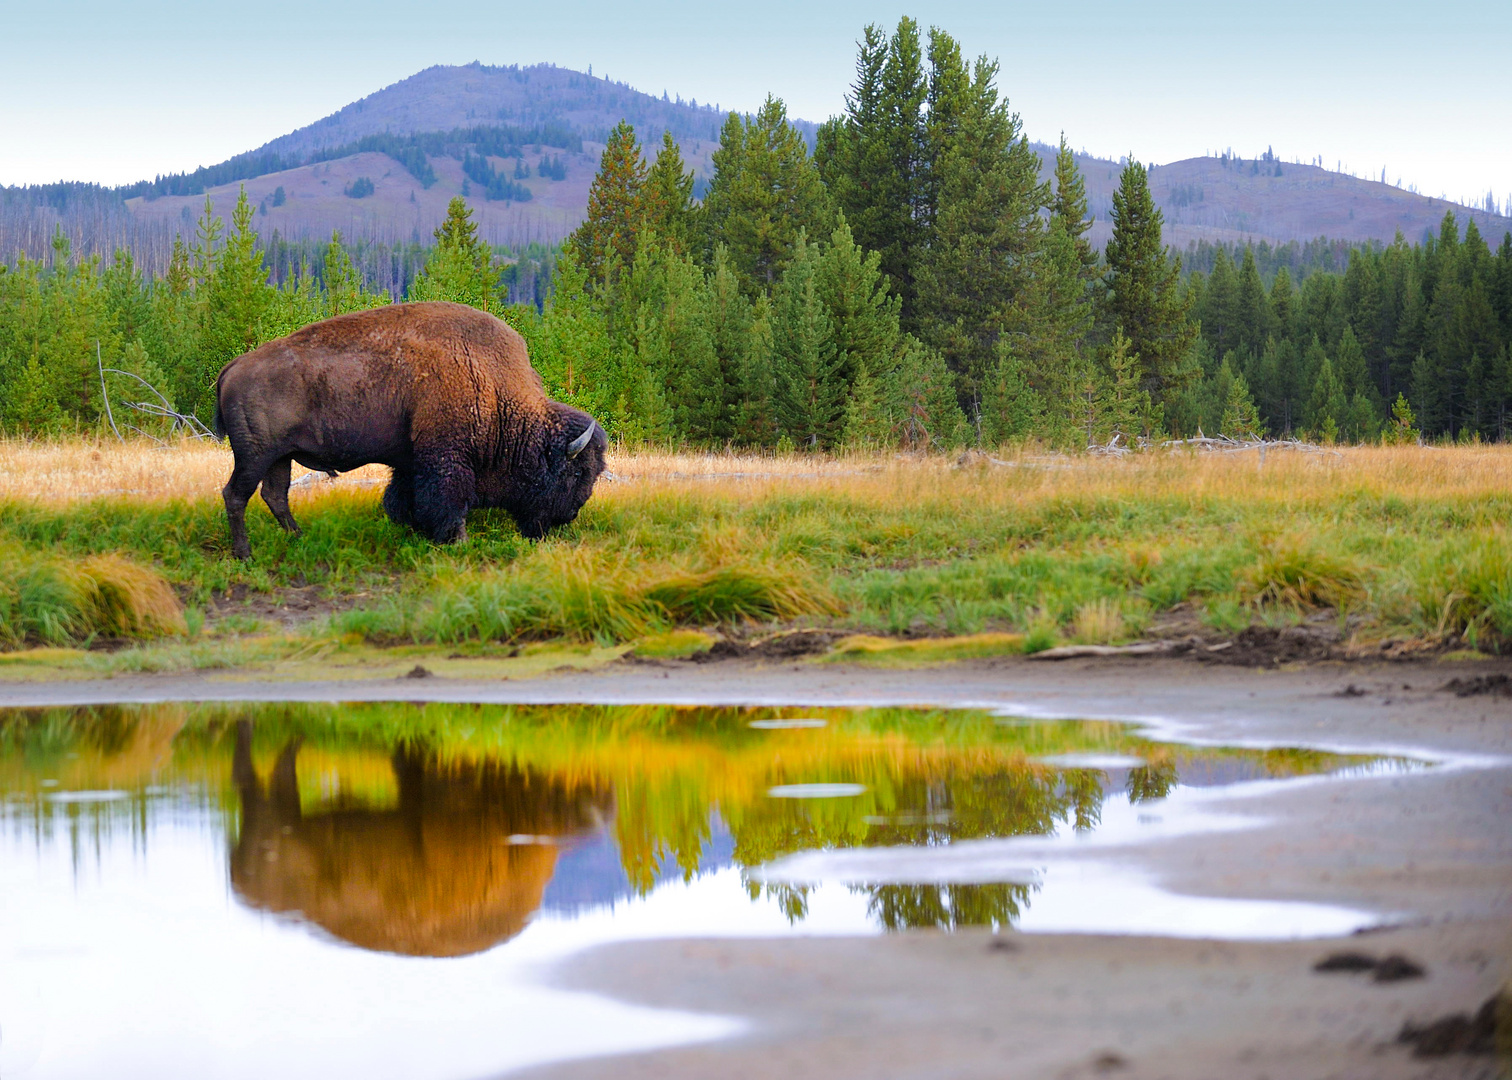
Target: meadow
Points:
(126, 547)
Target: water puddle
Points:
(316, 890)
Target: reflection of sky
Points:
(117, 92)
(133, 957)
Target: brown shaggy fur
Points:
(442, 393)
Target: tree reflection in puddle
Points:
(439, 830)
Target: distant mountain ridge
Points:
(441, 98)
(406, 148)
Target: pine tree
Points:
(863, 317)
(1252, 307)
(871, 157)
(461, 266)
(1124, 402)
(764, 193)
(1328, 407)
(1402, 428)
(342, 283)
(604, 244)
(1070, 207)
(865, 425)
(731, 326)
(986, 231)
(809, 393)
(1240, 419)
(667, 198)
(1011, 407)
(1219, 310)
(1144, 298)
(921, 398)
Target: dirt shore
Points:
(1430, 851)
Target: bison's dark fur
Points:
(441, 393)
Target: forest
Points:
(913, 281)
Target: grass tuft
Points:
(740, 593)
(46, 600)
(1100, 622)
(1298, 574)
(123, 599)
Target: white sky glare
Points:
(111, 92)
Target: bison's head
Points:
(572, 458)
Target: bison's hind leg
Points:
(399, 498)
(275, 492)
(245, 476)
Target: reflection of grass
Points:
(930, 776)
(1413, 541)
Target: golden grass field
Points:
(1023, 546)
(46, 471)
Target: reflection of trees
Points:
(946, 907)
(1016, 799)
(1153, 781)
(440, 861)
(457, 867)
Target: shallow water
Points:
(375, 889)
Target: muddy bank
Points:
(1061, 1006)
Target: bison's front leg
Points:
(444, 488)
(399, 498)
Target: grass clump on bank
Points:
(1403, 542)
(570, 593)
(60, 601)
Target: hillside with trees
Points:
(917, 279)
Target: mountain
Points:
(383, 168)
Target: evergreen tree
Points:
(605, 242)
(1125, 405)
(1401, 429)
(1328, 408)
(986, 231)
(809, 394)
(865, 425)
(1144, 300)
(1252, 307)
(1240, 419)
(461, 266)
(667, 198)
(872, 156)
(1219, 310)
(765, 192)
(862, 316)
(1012, 409)
(921, 399)
(1069, 207)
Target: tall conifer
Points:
(604, 244)
(1144, 296)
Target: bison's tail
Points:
(218, 425)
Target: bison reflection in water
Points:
(441, 393)
(457, 867)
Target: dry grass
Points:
(48, 471)
(83, 469)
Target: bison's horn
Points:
(575, 447)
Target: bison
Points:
(441, 393)
(458, 865)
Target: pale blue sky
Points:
(115, 92)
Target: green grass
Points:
(1407, 542)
